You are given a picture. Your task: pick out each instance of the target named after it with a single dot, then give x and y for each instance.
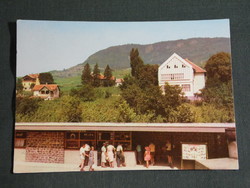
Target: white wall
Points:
(199, 82)
(19, 154)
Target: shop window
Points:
(74, 140)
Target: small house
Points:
(46, 91)
(118, 82)
(29, 81)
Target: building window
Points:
(175, 66)
(168, 67)
(183, 66)
(74, 140)
(177, 76)
(186, 87)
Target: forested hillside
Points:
(198, 50)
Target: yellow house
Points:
(30, 80)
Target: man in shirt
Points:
(82, 157)
(119, 155)
(87, 150)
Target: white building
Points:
(46, 91)
(178, 71)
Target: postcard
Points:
(109, 96)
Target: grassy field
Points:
(66, 84)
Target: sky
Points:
(44, 46)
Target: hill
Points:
(197, 50)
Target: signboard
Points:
(194, 151)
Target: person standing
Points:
(104, 155)
(82, 157)
(147, 156)
(120, 158)
(169, 153)
(91, 159)
(110, 153)
(139, 153)
(152, 153)
(87, 150)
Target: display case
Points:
(74, 140)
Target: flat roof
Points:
(142, 127)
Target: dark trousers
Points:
(120, 158)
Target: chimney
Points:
(37, 81)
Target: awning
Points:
(142, 127)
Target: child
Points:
(91, 159)
(147, 156)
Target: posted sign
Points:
(194, 151)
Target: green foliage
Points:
(108, 77)
(128, 81)
(86, 75)
(70, 110)
(107, 94)
(66, 84)
(183, 114)
(19, 85)
(126, 114)
(148, 75)
(27, 105)
(100, 110)
(85, 93)
(173, 95)
(96, 76)
(142, 93)
(218, 90)
(136, 62)
(46, 77)
(219, 69)
(212, 114)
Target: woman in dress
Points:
(110, 152)
(91, 159)
(104, 155)
(147, 156)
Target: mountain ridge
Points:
(198, 50)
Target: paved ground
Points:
(30, 167)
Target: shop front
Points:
(60, 142)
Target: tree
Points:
(85, 93)
(86, 75)
(26, 105)
(19, 85)
(46, 78)
(109, 81)
(126, 114)
(147, 75)
(70, 110)
(135, 62)
(218, 89)
(96, 76)
(219, 69)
